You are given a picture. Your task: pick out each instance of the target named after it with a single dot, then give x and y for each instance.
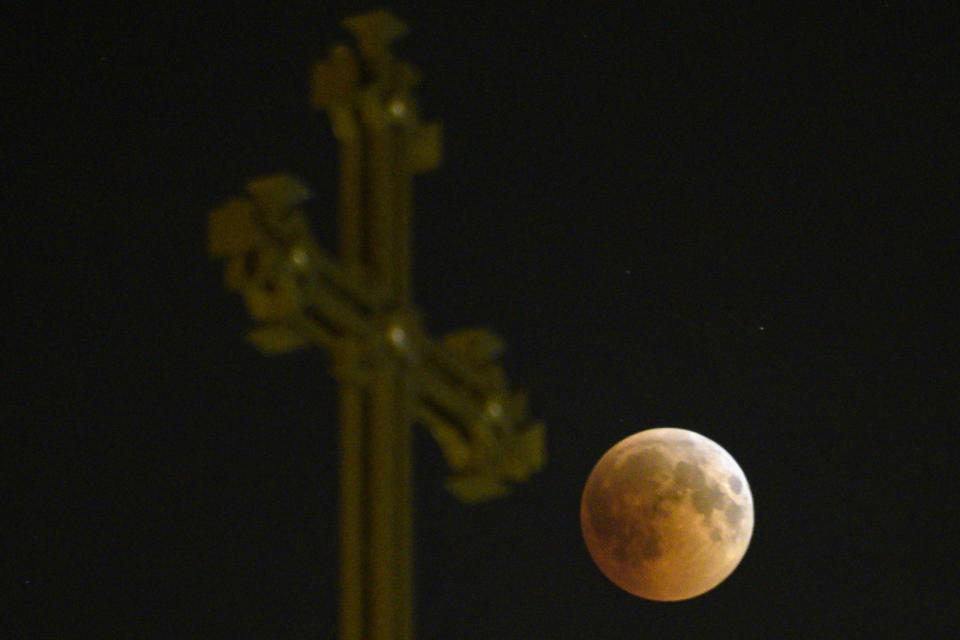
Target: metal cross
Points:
(391, 374)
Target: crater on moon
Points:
(667, 514)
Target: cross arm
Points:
(302, 296)
(483, 428)
(300, 293)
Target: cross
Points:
(390, 373)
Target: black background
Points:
(733, 220)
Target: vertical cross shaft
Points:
(376, 521)
(375, 508)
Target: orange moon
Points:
(667, 514)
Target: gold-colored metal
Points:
(358, 308)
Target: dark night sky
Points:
(734, 221)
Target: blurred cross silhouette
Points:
(357, 307)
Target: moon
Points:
(667, 514)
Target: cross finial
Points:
(375, 31)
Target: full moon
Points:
(667, 514)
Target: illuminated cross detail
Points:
(358, 308)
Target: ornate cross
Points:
(390, 372)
